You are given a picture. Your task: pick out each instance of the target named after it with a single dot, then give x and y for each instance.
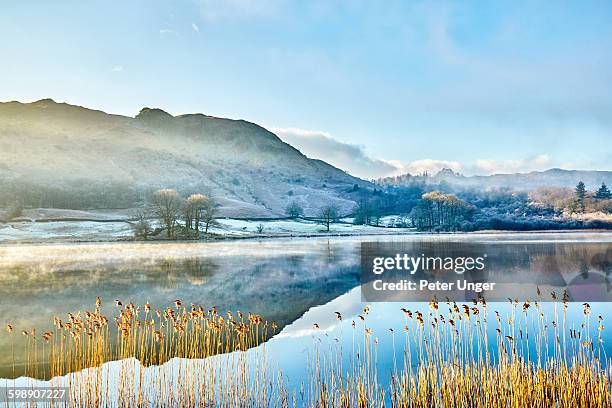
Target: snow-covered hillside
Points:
(248, 169)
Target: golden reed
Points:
(447, 358)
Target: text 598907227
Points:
(33, 394)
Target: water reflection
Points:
(279, 279)
(582, 269)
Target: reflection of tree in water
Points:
(279, 288)
(170, 272)
(603, 260)
(295, 262)
(569, 259)
(584, 269)
(332, 255)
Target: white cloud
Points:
(346, 156)
(355, 160)
(537, 163)
(166, 31)
(478, 167)
(195, 27)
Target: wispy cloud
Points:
(195, 27)
(346, 156)
(540, 162)
(479, 167)
(117, 68)
(355, 160)
(167, 31)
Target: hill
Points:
(516, 181)
(65, 156)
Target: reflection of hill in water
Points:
(279, 279)
(279, 285)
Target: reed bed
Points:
(448, 358)
(446, 355)
(186, 338)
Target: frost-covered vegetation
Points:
(443, 207)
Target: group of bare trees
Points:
(439, 211)
(367, 212)
(198, 210)
(167, 206)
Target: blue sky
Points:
(376, 88)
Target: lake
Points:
(299, 283)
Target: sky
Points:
(375, 88)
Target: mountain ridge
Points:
(554, 177)
(249, 169)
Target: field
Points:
(45, 225)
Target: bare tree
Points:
(200, 202)
(142, 225)
(207, 214)
(166, 204)
(192, 209)
(328, 215)
(188, 213)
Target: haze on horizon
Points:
(375, 90)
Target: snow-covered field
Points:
(64, 230)
(27, 231)
(235, 227)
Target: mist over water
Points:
(296, 282)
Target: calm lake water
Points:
(296, 282)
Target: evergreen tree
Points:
(580, 195)
(603, 193)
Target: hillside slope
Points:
(248, 169)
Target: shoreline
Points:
(297, 235)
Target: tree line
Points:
(73, 194)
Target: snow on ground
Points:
(228, 227)
(233, 227)
(64, 230)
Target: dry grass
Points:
(449, 360)
(444, 357)
(138, 336)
